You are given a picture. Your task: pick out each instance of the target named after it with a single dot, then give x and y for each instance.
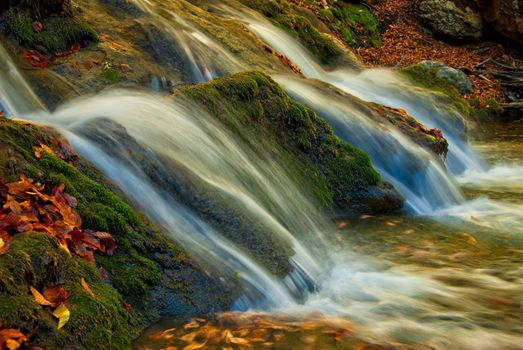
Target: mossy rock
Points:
(424, 76)
(145, 270)
(36, 260)
(255, 107)
(58, 34)
(356, 24)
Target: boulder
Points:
(453, 76)
(448, 20)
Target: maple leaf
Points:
(56, 294)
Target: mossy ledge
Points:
(255, 107)
(47, 26)
(147, 271)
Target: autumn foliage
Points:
(26, 206)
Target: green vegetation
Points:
(58, 33)
(36, 260)
(111, 73)
(256, 108)
(299, 27)
(356, 24)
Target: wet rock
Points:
(448, 20)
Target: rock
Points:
(505, 16)
(453, 76)
(446, 19)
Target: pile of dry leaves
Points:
(26, 206)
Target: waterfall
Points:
(419, 175)
(190, 142)
(197, 50)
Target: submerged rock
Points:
(447, 19)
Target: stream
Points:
(402, 281)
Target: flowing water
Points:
(444, 274)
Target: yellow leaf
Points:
(62, 314)
(86, 287)
(40, 298)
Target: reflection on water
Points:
(403, 282)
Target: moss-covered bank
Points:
(147, 271)
(47, 26)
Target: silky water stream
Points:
(446, 274)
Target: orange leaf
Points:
(40, 299)
(86, 287)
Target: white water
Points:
(16, 96)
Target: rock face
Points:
(447, 19)
(506, 16)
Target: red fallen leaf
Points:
(70, 200)
(21, 186)
(56, 294)
(11, 338)
(38, 26)
(24, 227)
(76, 47)
(85, 285)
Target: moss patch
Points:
(36, 260)
(356, 24)
(57, 35)
(255, 107)
(427, 78)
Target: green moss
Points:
(279, 12)
(427, 78)
(256, 108)
(111, 73)
(356, 23)
(36, 260)
(58, 34)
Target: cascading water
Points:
(205, 151)
(412, 303)
(429, 189)
(198, 50)
(413, 170)
(17, 97)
